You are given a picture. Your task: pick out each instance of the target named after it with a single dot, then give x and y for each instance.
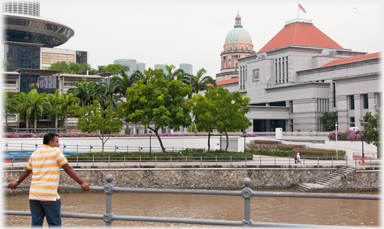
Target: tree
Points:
(70, 68)
(10, 107)
(199, 82)
(106, 93)
(205, 115)
(96, 119)
(123, 82)
(35, 104)
(116, 68)
(371, 132)
(173, 74)
(230, 110)
(54, 100)
(329, 120)
(6, 64)
(83, 91)
(161, 102)
(66, 102)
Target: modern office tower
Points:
(131, 63)
(162, 66)
(140, 67)
(187, 68)
(21, 7)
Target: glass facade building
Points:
(42, 83)
(22, 56)
(81, 57)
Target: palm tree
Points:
(55, 101)
(35, 105)
(83, 91)
(171, 74)
(10, 107)
(67, 100)
(123, 82)
(104, 92)
(199, 82)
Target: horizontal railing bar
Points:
(178, 191)
(176, 220)
(317, 195)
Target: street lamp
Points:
(337, 153)
(220, 140)
(362, 145)
(244, 139)
(150, 144)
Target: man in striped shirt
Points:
(44, 165)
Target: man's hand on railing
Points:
(13, 185)
(85, 187)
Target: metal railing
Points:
(108, 217)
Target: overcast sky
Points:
(174, 32)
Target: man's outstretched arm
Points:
(22, 177)
(72, 173)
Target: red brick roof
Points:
(300, 34)
(227, 81)
(353, 59)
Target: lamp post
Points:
(337, 153)
(244, 139)
(220, 140)
(362, 144)
(150, 144)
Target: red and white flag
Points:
(302, 8)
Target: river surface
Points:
(263, 209)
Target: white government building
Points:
(300, 74)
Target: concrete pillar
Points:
(358, 110)
(342, 109)
(371, 102)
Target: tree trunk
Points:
(27, 123)
(56, 120)
(209, 141)
(65, 122)
(6, 122)
(158, 137)
(226, 147)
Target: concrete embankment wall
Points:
(217, 179)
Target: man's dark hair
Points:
(49, 137)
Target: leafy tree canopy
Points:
(329, 120)
(371, 132)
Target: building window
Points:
(276, 71)
(351, 102)
(351, 121)
(365, 101)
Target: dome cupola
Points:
(238, 35)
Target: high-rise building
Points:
(187, 68)
(22, 7)
(161, 66)
(140, 67)
(131, 63)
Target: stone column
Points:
(358, 110)
(342, 109)
(371, 102)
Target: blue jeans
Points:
(49, 209)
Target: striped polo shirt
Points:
(45, 164)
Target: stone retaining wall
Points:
(217, 179)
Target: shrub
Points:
(348, 135)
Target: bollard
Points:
(171, 160)
(109, 160)
(108, 189)
(303, 160)
(247, 194)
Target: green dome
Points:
(238, 35)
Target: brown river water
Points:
(263, 209)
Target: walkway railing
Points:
(108, 217)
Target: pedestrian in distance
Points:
(44, 164)
(298, 157)
(295, 155)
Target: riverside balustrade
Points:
(108, 217)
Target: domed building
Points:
(238, 44)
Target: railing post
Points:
(231, 160)
(318, 160)
(155, 160)
(124, 160)
(275, 159)
(109, 160)
(346, 160)
(304, 160)
(289, 160)
(201, 160)
(171, 160)
(332, 161)
(108, 189)
(93, 160)
(260, 159)
(247, 194)
(216, 159)
(186, 159)
(140, 160)
(77, 148)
